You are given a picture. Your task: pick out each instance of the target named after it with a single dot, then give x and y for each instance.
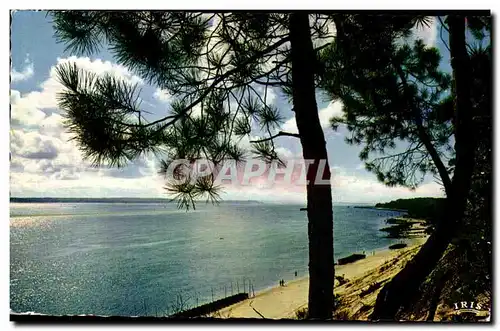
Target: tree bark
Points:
(404, 286)
(319, 196)
(436, 296)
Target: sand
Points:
(284, 301)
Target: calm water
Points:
(137, 259)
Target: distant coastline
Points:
(107, 200)
(381, 208)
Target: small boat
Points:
(397, 246)
(351, 258)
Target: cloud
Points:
(428, 34)
(41, 150)
(101, 67)
(66, 184)
(31, 144)
(324, 114)
(31, 107)
(27, 72)
(44, 162)
(16, 166)
(162, 95)
(23, 112)
(350, 186)
(143, 166)
(347, 187)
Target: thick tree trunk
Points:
(404, 286)
(319, 196)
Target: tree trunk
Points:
(319, 196)
(402, 288)
(436, 296)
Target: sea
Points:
(152, 259)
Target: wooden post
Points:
(212, 293)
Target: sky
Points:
(46, 163)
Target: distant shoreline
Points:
(165, 200)
(380, 208)
(108, 200)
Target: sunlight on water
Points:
(134, 259)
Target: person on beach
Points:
(295, 273)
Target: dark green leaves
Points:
(102, 112)
(264, 151)
(391, 91)
(80, 30)
(216, 67)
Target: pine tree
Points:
(217, 68)
(395, 92)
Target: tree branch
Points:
(214, 83)
(279, 134)
(423, 134)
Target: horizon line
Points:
(170, 200)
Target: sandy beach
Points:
(284, 301)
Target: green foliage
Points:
(218, 68)
(392, 92)
(464, 273)
(422, 208)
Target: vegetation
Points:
(421, 208)
(411, 118)
(465, 271)
(394, 92)
(373, 287)
(219, 69)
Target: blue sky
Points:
(45, 163)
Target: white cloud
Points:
(428, 34)
(32, 145)
(333, 109)
(349, 186)
(100, 67)
(285, 153)
(25, 74)
(45, 163)
(324, 114)
(46, 98)
(360, 166)
(70, 184)
(44, 160)
(23, 110)
(162, 95)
